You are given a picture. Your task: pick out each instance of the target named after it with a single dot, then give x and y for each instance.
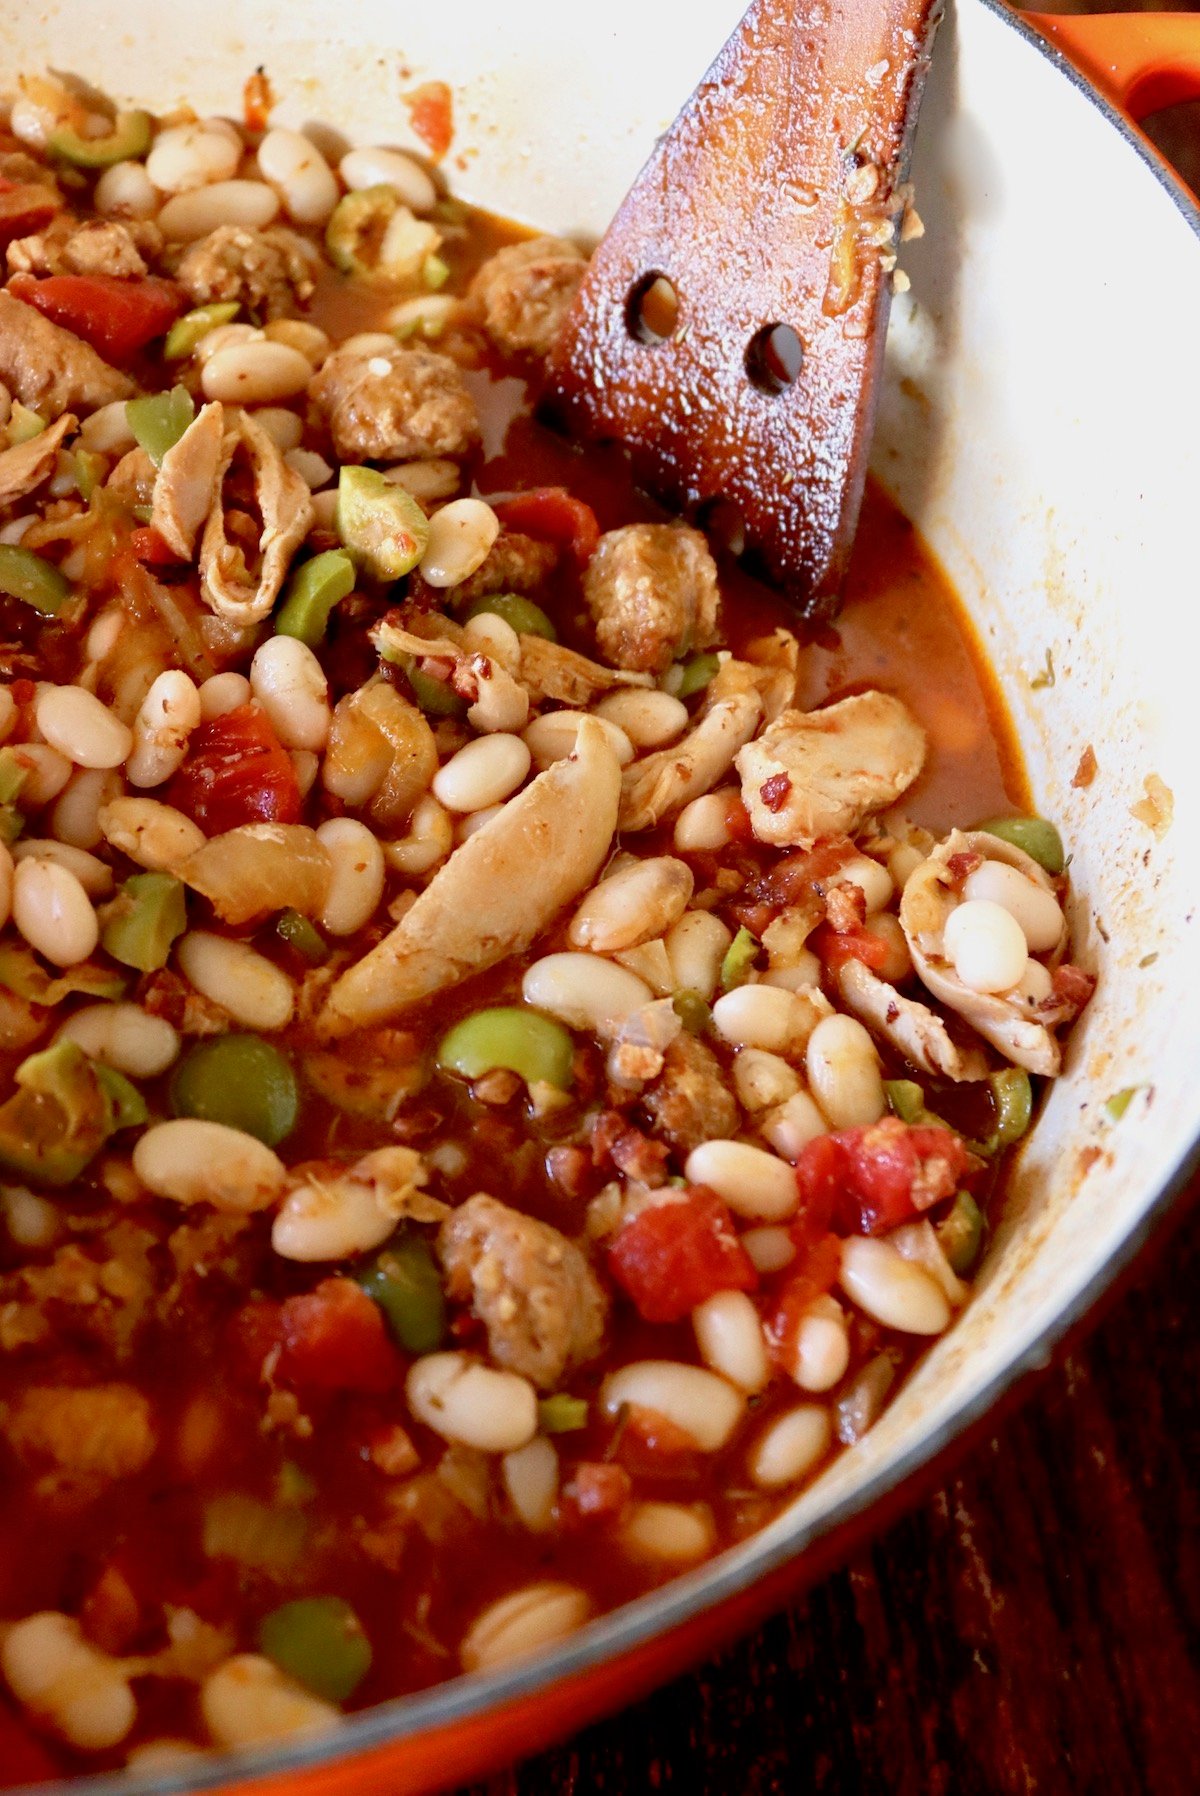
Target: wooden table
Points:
(1033, 1628)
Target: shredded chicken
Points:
(285, 503)
(523, 293)
(265, 271)
(820, 773)
(658, 785)
(50, 369)
(548, 670)
(482, 906)
(26, 465)
(652, 592)
(918, 1032)
(395, 405)
(533, 1290)
(185, 488)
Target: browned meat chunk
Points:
(691, 1102)
(266, 271)
(97, 1432)
(396, 405)
(652, 593)
(103, 246)
(523, 293)
(515, 563)
(49, 368)
(532, 1288)
(102, 1300)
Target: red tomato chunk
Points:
(869, 1180)
(835, 947)
(551, 514)
(117, 317)
(237, 771)
(673, 1256)
(332, 1338)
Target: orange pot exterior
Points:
(1140, 61)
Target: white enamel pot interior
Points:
(1042, 379)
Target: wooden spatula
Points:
(730, 328)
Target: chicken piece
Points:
(652, 593)
(108, 246)
(268, 272)
(1021, 1032)
(523, 293)
(658, 785)
(691, 1102)
(395, 405)
(495, 700)
(540, 1301)
(548, 670)
(50, 369)
(227, 586)
(94, 1433)
(482, 906)
(918, 1032)
(185, 487)
(820, 773)
(26, 465)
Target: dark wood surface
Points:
(1034, 1628)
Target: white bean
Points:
(93, 874)
(8, 712)
(306, 765)
(304, 180)
(429, 840)
(896, 964)
(312, 342)
(495, 637)
(289, 683)
(986, 945)
(917, 1241)
(331, 1219)
(46, 773)
(107, 432)
(255, 373)
(730, 1338)
(358, 873)
(762, 1081)
(6, 883)
(793, 1125)
(790, 1447)
(770, 1248)
(701, 826)
(648, 717)
(820, 1352)
(55, 1672)
(75, 722)
(125, 1037)
(632, 906)
(752, 1182)
(155, 835)
(696, 947)
(674, 1533)
(552, 737)
(247, 985)
(1035, 984)
(226, 336)
(531, 1618)
(705, 1406)
(285, 429)
(189, 216)
(248, 1701)
(126, 191)
(584, 991)
(531, 1480)
(485, 772)
(189, 156)
(872, 879)
(53, 912)
(890, 1289)
(761, 1016)
(474, 821)
(75, 815)
(32, 1220)
(426, 480)
(166, 718)
(843, 1073)
(222, 693)
(193, 1161)
(312, 468)
(460, 537)
(389, 168)
(1036, 910)
(476, 1405)
(903, 862)
(104, 633)
(164, 1754)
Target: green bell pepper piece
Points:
(23, 424)
(526, 618)
(302, 937)
(404, 1281)
(739, 959)
(522, 1041)
(190, 330)
(561, 1414)
(1039, 839)
(319, 1641)
(312, 592)
(382, 525)
(143, 921)
(12, 775)
(58, 1118)
(33, 579)
(241, 1081)
(697, 673)
(692, 1011)
(22, 972)
(128, 140)
(960, 1234)
(158, 420)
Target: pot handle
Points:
(1139, 61)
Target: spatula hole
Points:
(774, 358)
(652, 309)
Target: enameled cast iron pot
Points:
(1039, 424)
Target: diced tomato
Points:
(793, 878)
(110, 1612)
(431, 114)
(834, 948)
(811, 1275)
(737, 819)
(1071, 985)
(25, 207)
(869, 1180)
(595, 1491)
(25, 1759)
(551, 514)
(335, 1339)
(257, 101)
(116, 317)
(672, 1256)
(237, 771)
(651, 1445)
(149, 548)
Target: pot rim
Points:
(685, 1598)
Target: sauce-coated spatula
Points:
(730, 328)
